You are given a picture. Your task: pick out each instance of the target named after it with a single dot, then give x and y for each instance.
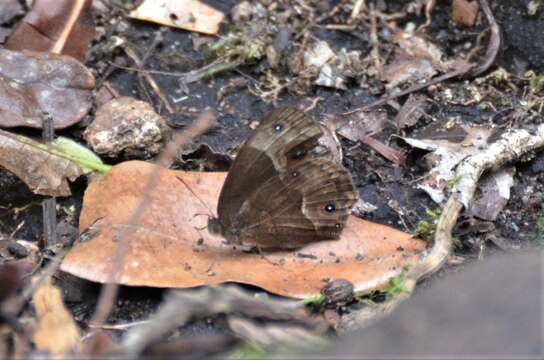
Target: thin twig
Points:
(417, 87)
(132, 54)
(49, 205)
(375, 52)
(494, 41)
(359, 4)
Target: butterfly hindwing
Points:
(283, 189)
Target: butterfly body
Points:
(284, 190)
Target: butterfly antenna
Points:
(210, 215)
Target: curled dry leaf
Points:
(35, 83)
(37, 165)
(57, 332)
(493, 195)
(56, 26)
(192, 15)
(171, 247)
(464, 12)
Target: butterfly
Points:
(284, 189)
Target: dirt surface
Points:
(232, 94)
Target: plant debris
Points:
(32, 84)
(192, 15)
(449, 144)
(56, 26)
(172, 248)
(38, 165)
(464, 12)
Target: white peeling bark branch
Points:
(510, 147)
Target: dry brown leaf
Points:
(56, 26)
(40, 169)
(411, 111)
(416, 46)
(56, 331)
(408, 71)
(493, 194)
(464, 12)
(192, 15)
(35, 83)
(170, 246)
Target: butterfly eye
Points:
(278, 127)
(294, 174)
(338, 226)
(299, 153)
(330, 208)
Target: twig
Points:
(180, 307)
(359, 4)
(510, 147)
(439, 79)
(109, 291)
(49, 205)
(494, 41)
(132, 54)
(375, 52)
(38, 280)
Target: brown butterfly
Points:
(284, 190)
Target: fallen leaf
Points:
(35, 83)
(464, 12)
(408, 70)
(362, 123)
(40, 166)
(493, 194)
(189, 15)
(416, 46)
(411, 111)
(56, 330)
(56, 26)
(170, 246)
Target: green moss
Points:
(426, 228)
(396, 285)
(236, 46)
(536, 82)
(498, 76)
(246, 351)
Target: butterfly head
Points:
(215, 226)
(231, 234)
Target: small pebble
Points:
(17, 250)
